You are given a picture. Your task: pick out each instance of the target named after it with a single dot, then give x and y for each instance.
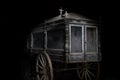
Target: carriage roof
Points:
(61, 18)
(69, 16)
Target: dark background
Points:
(18, 18)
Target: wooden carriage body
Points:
(69, 39)
(65, 40)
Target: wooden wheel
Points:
(44, 68)
(88, 71)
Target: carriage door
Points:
(76, 39)
(91, 46)
(77, 42)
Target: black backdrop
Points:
(18, 18)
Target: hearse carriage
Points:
(66, 42)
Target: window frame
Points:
(88, 26)
(76, 25)
(32, 40)
(59, 49)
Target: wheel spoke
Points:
(85, 75)
(88, 75)
(81, 71)
(45, 62)
(38, 77)
(91, 73)
(42, 78)
(45, 78)
(41, 61)
(39, 66)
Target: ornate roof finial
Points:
(61, 11)
(66, 13)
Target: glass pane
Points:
(56, 39)
(76, 39)
(38, 40)
(91, 39)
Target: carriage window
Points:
(55, 39)
(76, 39)
(91, 39)
(38, 40)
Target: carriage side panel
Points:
(56, 42)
